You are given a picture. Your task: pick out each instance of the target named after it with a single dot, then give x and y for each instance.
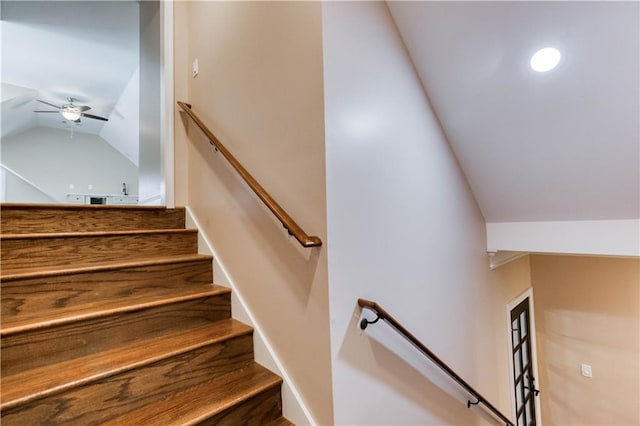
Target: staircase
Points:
(109, 316)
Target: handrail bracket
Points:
(365, 322)
(469, 403)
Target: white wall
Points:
(16, 109)
(122, 130)
(150, 163)
(16, 189)
(52, 160)
(403, 230)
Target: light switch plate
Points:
(586, 370)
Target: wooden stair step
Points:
(109, 316)
(107, 399)
(42, 318)
(248, 396)
(48, 380)
(47, 341)
(92, 267)
(34, 218)
(77, 287)
(33, 252)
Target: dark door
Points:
(525, 390)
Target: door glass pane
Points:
(525, 353)
(519, 395)
(527, 384)
(515, 338)
(516, 362)
(528, 410)
(523, 324)
(521, 420)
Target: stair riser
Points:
(20, 255)
(257, 411)
(26, 220)
(35, 348)
(129, 391)
(29, 296)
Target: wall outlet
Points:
(585, 369)
(89, 186)
(195, 68)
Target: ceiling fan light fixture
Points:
(71, 113)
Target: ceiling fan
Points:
(72, 112)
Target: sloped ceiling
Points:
(559, 146)
(88, 50)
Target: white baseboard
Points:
(293, 406)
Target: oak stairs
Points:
(109, 316)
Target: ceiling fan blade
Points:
(44, 102)
(84, 108)
(95, 117)
(57, 112)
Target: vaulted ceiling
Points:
(562, 145)
(88, 50)
(557, 146)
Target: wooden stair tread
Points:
(63, 206)
(203, 401)
(79, 268)
(44, 235)
(41, 320)
(38, 218)
(39, 382)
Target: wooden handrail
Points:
(290, 225)
(384, 315)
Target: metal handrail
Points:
(381, 314)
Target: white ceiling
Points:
(558, 146)
(84, 49)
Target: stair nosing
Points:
(4, 405)
(101, 313)
(106, 267)
(69, 206)
(81, 234)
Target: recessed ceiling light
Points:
(545, 59)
